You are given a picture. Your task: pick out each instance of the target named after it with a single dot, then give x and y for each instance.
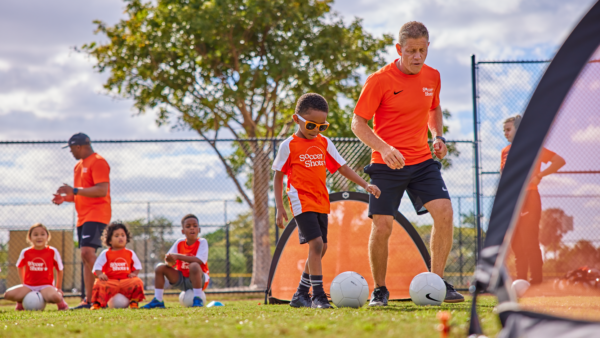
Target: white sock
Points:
(198, 293)
(158, 294)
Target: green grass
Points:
(245, 318)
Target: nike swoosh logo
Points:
(86, 236)
(524, 213)
(398, 92)
(427, 296)
(444, 189)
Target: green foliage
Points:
(154, 232)
(554, 224)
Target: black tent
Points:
(563, 115)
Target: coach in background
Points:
(403, 100)
(91, 194)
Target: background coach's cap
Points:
(78, 139)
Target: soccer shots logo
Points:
(428, 91)
(313, 157)
(37, 264)
(120, 264)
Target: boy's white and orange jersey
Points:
(304, 162)
(117, 264)
(198, 249)
(39, 265)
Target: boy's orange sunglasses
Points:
(311, 125)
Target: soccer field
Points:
(244, 318)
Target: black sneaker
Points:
(301, 299)
(379, 297)
(452, 296)
(321, 302)
(83, 305)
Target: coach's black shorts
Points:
(311, 225)
(422, 181)
(90, 234)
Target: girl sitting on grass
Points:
(36, 270)
(117, 269)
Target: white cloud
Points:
(590, 134)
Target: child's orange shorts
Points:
(132, 288)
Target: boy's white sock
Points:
(198, 293)
(158, 294)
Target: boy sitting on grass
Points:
(303, 157)
(117, 269)
(185, 266)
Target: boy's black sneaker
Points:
(301, 299)
(321, 302)
(452, 296)
(379, 297)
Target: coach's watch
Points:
(441, 138)
(75, 191)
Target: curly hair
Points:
(311, 101)
(110, 229)
(412, 30)
(36, 225)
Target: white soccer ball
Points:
(118, 301)
(34, 301)
(186, 298)
(349, 289)
(427, 288)
(520, 286)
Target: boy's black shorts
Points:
(422, 181)
(311, 225)
(90, 234)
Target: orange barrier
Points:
(348, 239)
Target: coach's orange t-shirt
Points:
(88, 172)
(545, 157)
(400, 105)
(305, 162)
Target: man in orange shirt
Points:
(402, 98)
(91, 194)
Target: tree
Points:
(554, 224)
(238, 66)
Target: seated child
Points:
(185, 267)
(117, 269)
(304, 158)
(36, 270)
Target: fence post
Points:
(227, 266)
(274, 145)
(476, 156)
(460, 254)
(147, 237)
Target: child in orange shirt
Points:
(117, 269)
(36, 270)
(185, 265)
(304, 158)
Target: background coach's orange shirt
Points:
(88, 172)
(400, 105)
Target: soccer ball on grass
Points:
(34, 301)
(118, 301)
(427, 288)
(349, 289)
(186, 298)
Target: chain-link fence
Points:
(155, 183)
(568, 228)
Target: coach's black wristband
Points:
(441, 138)
(76, 190)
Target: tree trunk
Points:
(262, 244)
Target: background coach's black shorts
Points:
(90, 234)
(311, 225)
(422, 181)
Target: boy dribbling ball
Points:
(117, 269)
(185, 265)
(36, 270)
(304, 158)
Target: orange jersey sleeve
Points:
(399, 105)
